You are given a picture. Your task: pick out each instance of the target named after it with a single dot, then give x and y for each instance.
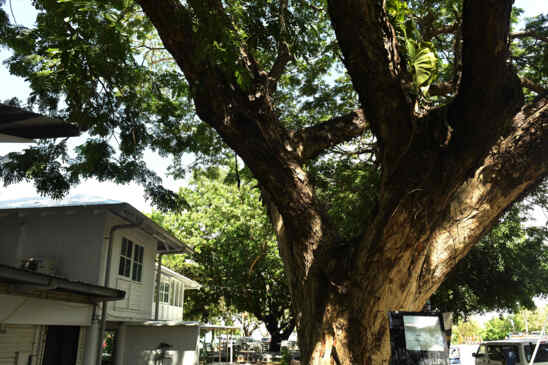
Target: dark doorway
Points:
(61, 345)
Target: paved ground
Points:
(465, 355)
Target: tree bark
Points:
(447, 175)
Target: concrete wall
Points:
(141, 345)
(70, 238)
(10, 232)
(27, 310)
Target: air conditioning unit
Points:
(40, 265)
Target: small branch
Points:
(442, 89)
(361, 151)
(529, 34)
(12, 14)
(237, 170)
(162, 60)
(447, 29)
(284, 55)
(151, 48)
(312, 141)
(457, 51)
(531, 85)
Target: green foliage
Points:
(286, 358)
(465, 331)
(530, 54)
(522, 322)
(348, 187)
(236, 255)
(497, 329)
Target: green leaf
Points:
(424, 65)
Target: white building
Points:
(107, 248)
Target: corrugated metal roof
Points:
(168, 243)
(71, 201)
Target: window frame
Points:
(126, 254)
(137, 264)
(131, 260)
(164, 292)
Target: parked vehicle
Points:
(454, 355)
(514, 351)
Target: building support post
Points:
(120, 345)
(90, 352)
(183, 303)
(158, 281)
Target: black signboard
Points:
(417, 338)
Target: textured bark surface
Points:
(447, 174)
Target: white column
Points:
(120, 346)
(183, 303)
(90, 352)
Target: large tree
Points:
(425, 95)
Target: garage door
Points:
(16, 344)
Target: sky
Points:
(12, 86)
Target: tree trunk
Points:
(275, 342)
(342, 305)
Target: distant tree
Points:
(248, 322)
(464, 331)
(498, 328)
(236, 252)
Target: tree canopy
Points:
(236, 258)
(386, 137)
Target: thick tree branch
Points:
(515, 165)
(428, 230)
(177, 37)
(446, 88)
(312, 141)
(369, 46)
(489, 90)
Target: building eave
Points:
(29, 280)
(17, 122)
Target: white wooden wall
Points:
(138, 300)
(17, 343)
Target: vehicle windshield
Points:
(542, 354)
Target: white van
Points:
(498, 352)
